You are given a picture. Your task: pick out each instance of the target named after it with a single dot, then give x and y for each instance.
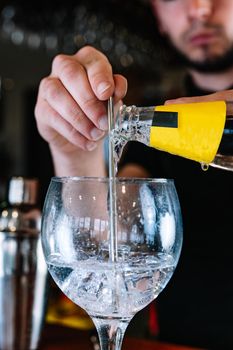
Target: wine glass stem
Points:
(111, 333)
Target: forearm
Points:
(80, 163)
(133, 170)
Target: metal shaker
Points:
(23, 271)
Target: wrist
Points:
(79, 162)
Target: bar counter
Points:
(63, 338)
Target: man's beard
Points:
(209, 65)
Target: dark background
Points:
(32, 34)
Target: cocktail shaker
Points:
(23, 271)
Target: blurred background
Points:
(32, 34)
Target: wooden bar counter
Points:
(63, 338)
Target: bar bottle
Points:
(198, 131)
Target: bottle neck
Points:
(132, 124)
(130, 117)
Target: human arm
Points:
(71, 110)
(224, 95)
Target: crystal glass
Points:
(77, 242)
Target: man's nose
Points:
(200, 9)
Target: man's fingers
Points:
(121, 86)
(54, 128)
(71, 104)
(99, 71)
(226, 95)
(74, 78)
(63, 103)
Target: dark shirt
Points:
(196, 307)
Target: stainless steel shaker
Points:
(23, 271)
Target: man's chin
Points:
(212, 64)
(206, 64)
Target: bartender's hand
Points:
(71, 110)
(224, 95)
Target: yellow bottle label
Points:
(199, 131)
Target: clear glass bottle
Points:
(198, 131)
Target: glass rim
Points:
(65, 179)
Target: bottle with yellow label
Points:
(198, 131)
